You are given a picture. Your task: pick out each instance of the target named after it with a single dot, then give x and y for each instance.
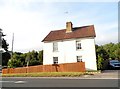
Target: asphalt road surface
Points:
(57, 82)
(105, 79)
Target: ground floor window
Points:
(55, 60)
(79, 58)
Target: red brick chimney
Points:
(68, 27)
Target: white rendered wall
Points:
(67, 52)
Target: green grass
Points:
(52, 74)
(48, 74)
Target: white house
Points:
(71, 45)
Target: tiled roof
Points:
(77, 32)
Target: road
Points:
(57, 82)
(105, 79)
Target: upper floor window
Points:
(78, 45)
(55, 46)
(55, 60)
(79, 58)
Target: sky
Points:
(32, 20)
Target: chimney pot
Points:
(68, 27)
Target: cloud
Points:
(107, 38)
(32, 20)
(29, 27)
(19, 22)
(106, 33)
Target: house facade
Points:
(71, 45)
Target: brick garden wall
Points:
(66, 67)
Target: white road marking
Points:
(20, 82)
(13, 81)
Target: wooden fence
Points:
(66, 67)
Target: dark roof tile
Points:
(77, 32)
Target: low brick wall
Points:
(66, 67)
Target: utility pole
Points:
(12, 43)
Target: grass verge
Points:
(48, 74)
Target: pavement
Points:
(107, 74)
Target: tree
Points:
(15, 61)
(40, 57)
(102, 52)
(22, 58)
(117, 51)
(4, 43)
(108, 52)
(26, 59)
(5, 55)
(111, 50)
(100, 62)
(34, 59)
(101, 56)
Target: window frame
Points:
(79, 58)
(55, 46)
(55, 60)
